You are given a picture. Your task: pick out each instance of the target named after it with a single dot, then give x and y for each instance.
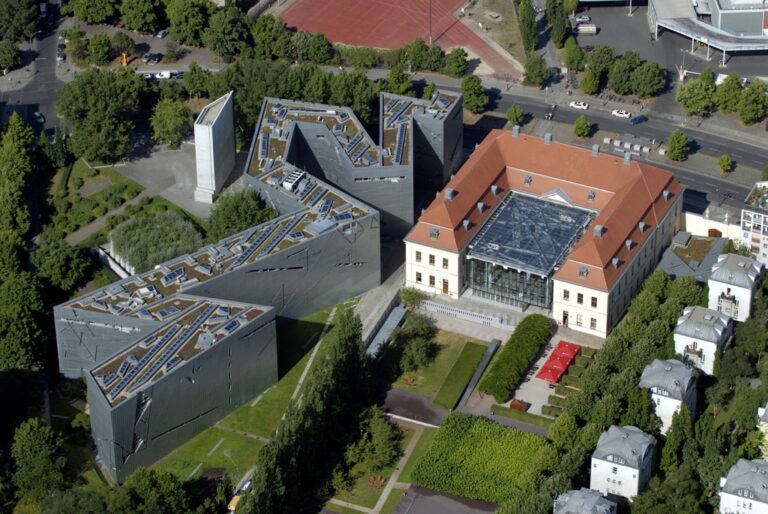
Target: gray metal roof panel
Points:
(627, 446)
(584, 501)
(736, 270)
(671, 375)
(703, 324)
(750, 477)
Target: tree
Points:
(58, 262)
(574, 55)
(21, 342)
(581, 127)
(196, 80)
(74, 500)
(9, 55)
(600, 60)
(227, 32)
(149, 491)
(411, 297)
(475, 99)
(560, 27)
(656, 283)
(38, 459)
(753, 104)
(515, 115)
(620, 73)
(564, 432)
(648, 79)
(687, 290)
(570, 6)
(679, 433)
(417, 353)
(188, 20)
(319, 50)
(100, 49)
(728, 93)
(680, 491)
(93, 11)
(18, 20)
(171, 122)
(590, 83)
(677, 146)
(140, 15)
(640, 411)
(235, 212)
(96, 104)
(536, 71)
(123, 44)
(171, 52)
(430, 90)
(456, 62)
(399, 82)
(725, 164)
(379, 444)
(527, 23)
(696, 98)
(420, 56)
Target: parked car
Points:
(621, 113)
(147, 56)
(582, 18)
(579, 105)
(163, 75)
(637, 120)
(39, 118)
(162, 33)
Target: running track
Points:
(392, 24)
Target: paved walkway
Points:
(99, 223)
(240, 432)
(413, 406)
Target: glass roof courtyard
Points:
(529, 234)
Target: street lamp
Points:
(682, 69)
(630, 8)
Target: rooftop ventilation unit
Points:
(450, 193)
(495, 189)
(528, 179)
(480, 207)
(599, 230)
(591, 196)
(466, 224)
(583, 272)
(628, 244)
(434, 233)
(665, 194)
(627, 157)
(516, 131)
(595, 150)
(615, 262)
(641, 226)
(548, 138)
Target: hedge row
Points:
(480, 459)
(516, 357)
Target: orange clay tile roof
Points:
(623, 196)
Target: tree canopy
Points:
(189, 19)
(141, 15)
(171, 122)
(228, 31)
(58, 262)
(475, 99)
(677, 146)
(92, 11)
(38, 459)
(235, 212)
(18, 19)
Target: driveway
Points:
(418, 500)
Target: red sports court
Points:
(559, 360)
(392, 24)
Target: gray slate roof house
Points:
(584, 501)
(670, 378)
(736, 270)
(747, 476)
(702, 323)
(628, 446)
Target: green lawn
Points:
(362, 492)
(236, 454)
(393, 500)
(458, 378)
(428, 380)
(525, 417)
(424, 443)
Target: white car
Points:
(620, 113)
(582, 18)
(579, 105)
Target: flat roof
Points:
(324, 208)
(758, 196)
(529, 234)
(739, 5)
(211, 111)
(194, 325)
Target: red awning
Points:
(559, 360)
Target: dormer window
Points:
(434, 233)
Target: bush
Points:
(516, 357)
(582, 361)
(551, 410)
(564, 390)
(77, 183)
(570, 381)
(480, 459)
(558, 401)
(575, 371)
(587, 352)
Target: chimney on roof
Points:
(641, 226)
(494, 189)
(450, 193)
(627, 157)
(466, 224)
(665, 194)
(480, 207)
(615, 262)
(548, 138)
(422, 210)
(628, 244)
(599, 229)
(595, 150)
(516, 131)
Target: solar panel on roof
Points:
(316, 196)
(253, 246)
(398, 112)
(263, 145)
(444, 102)
(344, 116)
(106, 380)
(175, 360)
(296, 236)
(400, 143)
(280, 235)
(166, 312)
(308, 185)
(390, 104)
(205, 268)
(173, 276)
(123, 368)
(347, 216)
(338, 127)
(231, 326)
(358, 137)
(325, 207)
(360, 151)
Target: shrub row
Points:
(480, 459)
(570, 381)
(583, 361)
(551, 410)
(515, 358)
(557, 401)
